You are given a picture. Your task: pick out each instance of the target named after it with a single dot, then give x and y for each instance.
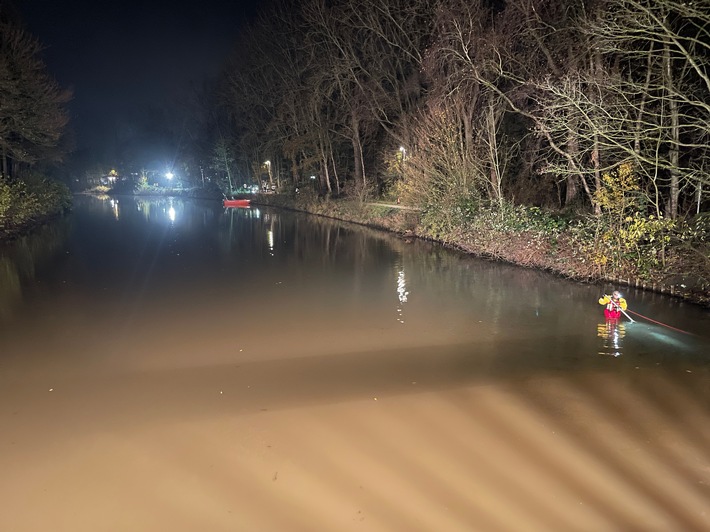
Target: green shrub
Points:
(510, 218)
(25, 202)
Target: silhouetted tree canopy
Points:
(33, 118)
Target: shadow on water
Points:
(250, 386)
(636, 401)
(21, 258)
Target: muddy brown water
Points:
(172, 365)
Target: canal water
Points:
(171, 364)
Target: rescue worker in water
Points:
(614, 305)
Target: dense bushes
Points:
(24, 203)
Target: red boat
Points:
(236, 202)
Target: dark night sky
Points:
(121, 57)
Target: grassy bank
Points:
(671, 258)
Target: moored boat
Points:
(240, 202)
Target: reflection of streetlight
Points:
(401, 294)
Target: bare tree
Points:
(372, 53)
(32, 114)
(463, 74)
(663, 47)
(223, 163)
(250, 93)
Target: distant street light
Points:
(169, 175)
(403, 151)
(268, 170)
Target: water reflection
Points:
(612, 333)
(159, 209)
(401, 295)
(238, 228)
(10, 289)
(271, 220)
(114, 206)
(133, 248)
(21, 258)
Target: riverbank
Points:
(559, 250)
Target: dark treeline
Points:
(33, 122)
(532, 101)
(33, 116)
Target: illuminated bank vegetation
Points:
(32, 127)
(571, 136)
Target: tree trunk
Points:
(229, 175)
(295, 176)
(3, 170)
(597, 172)
(357, 150)
(642, 105)
(335, 171)
(324, 163)
(493, 154)
(673, 154)
(572, 188)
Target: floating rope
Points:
(659, 323)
